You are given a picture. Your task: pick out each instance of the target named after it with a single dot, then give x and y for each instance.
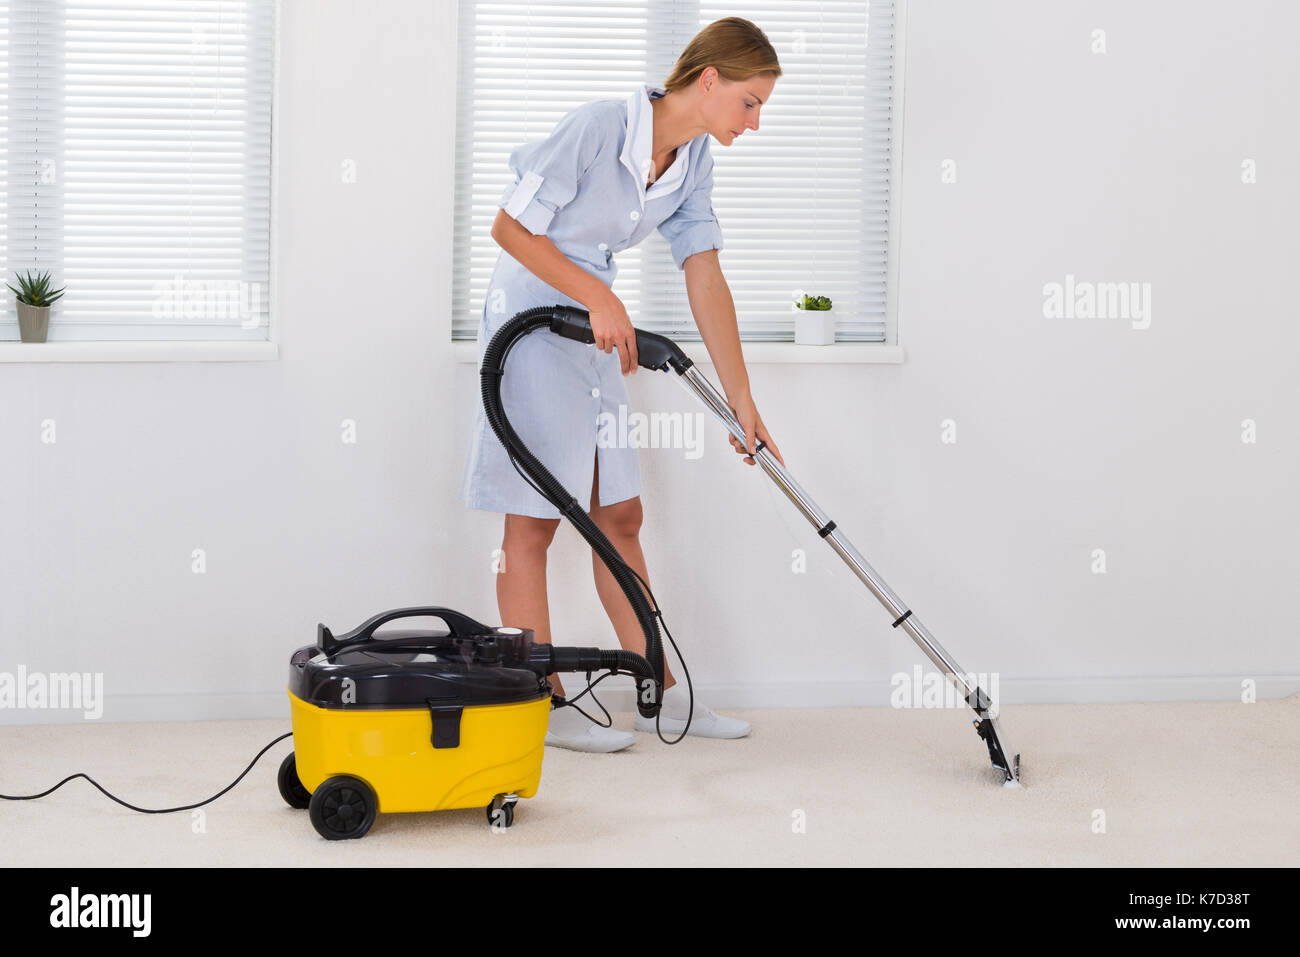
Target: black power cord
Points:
(147, 810)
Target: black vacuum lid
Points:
(461, 666)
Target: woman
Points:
(610, 172)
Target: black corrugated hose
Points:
(649, 697)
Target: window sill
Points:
(766, 352)
(137, 351)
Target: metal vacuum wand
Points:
(987, 726)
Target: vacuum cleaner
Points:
(423, 720)
(659, 353)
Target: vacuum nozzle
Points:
(999, 753)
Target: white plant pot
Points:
(814, 327)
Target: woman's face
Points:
(732, 108)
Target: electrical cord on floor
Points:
(146, 810)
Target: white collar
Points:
(638, 144)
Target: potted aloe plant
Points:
(34, 300)
(814, 325)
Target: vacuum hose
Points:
(563, 320)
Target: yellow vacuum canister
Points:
(423, 720)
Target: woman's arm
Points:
(715, 315)
(611, 327)
(544, 260)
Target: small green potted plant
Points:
(34, 300)
(814, 325)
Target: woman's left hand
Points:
(747, 415)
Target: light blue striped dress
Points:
(584, 187)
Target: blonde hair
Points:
(733, 46)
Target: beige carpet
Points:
(1181, 784)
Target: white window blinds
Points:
(803, 203)
(136, 138)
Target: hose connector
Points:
(548, 660)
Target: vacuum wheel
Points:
(291, 789)
(506, 806)
(343, 808)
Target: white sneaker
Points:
(568, 728)
(704, 723)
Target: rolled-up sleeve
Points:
(693, 228)
(547, 172)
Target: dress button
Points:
(603, 246)
(635, 214)
(595, 393)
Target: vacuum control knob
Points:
(487, 652)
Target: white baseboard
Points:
(617, 695)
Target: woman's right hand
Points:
(613, 330)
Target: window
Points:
(136, 138)
(804, 203)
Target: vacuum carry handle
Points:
(457, 624)
(653, 351)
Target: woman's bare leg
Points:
(521, 581)
(621, 524)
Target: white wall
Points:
(1072, 434)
